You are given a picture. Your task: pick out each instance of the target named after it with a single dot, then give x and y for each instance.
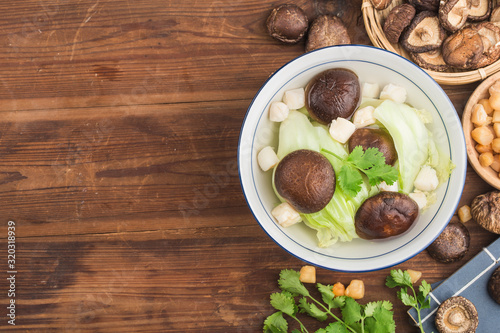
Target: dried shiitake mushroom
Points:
(424, 33)
(432, 60)
(456, 314)
(495, 14)
(494, 285)
(306, 180)
(421, 5)
(463, 49)
(397, 20)
(485, 210)
(452, 244)
(453, 14)
(326, 30)
(474, 46)
(381, 4)
(479, 10)
(385, 215)
(287, 23)
(490, 36)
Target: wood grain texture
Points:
(119, 125)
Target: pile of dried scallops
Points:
(445, 35)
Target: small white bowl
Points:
(371, 65)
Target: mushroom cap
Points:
(384, 215)
(377, 138)
(463, 49)
(397, 20)
(485, 210)
(432, 60)
(480, 10)
(333, 93)
(452, 244)
(494, 285)
(453, 14)
(495, 14)
(456, 314)
(287, 23)
(474, 46)
(421, 5)
(326, 30)
(306, 180)
(490, 37)
(425, 33)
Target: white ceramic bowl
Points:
(371, 65)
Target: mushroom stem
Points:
(456, 317)
(425, 34)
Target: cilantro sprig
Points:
(374, 317)
(417, 300)
(371, 162)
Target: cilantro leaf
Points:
(398, 278)
(351, 312)
(284, 302)
(370, 308)
(350, 180)
(370, 162)
(365, 159)
(338, 302)
(327, 295)
(406, 298)
(336, 327)
(312, 310)
(378, 174)
(424, 288)
(380, 321)
(275, 323)
(386, 305)
(289, 281)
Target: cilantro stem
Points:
(332, 153)
(302, 327)
(418, 308)
(328, 310)
(418, 300)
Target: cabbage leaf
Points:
(335, 222)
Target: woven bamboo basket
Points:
(374, 20)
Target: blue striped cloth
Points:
(470, 281)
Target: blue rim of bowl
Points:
(448, 216)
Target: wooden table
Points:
(118, 135)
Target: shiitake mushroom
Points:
(306, 180)
(384, 215)
(374, 138)
(494, 285)
(456, 314)
(452, 244)
(326, 30)
(331, 94)
(287, 23)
